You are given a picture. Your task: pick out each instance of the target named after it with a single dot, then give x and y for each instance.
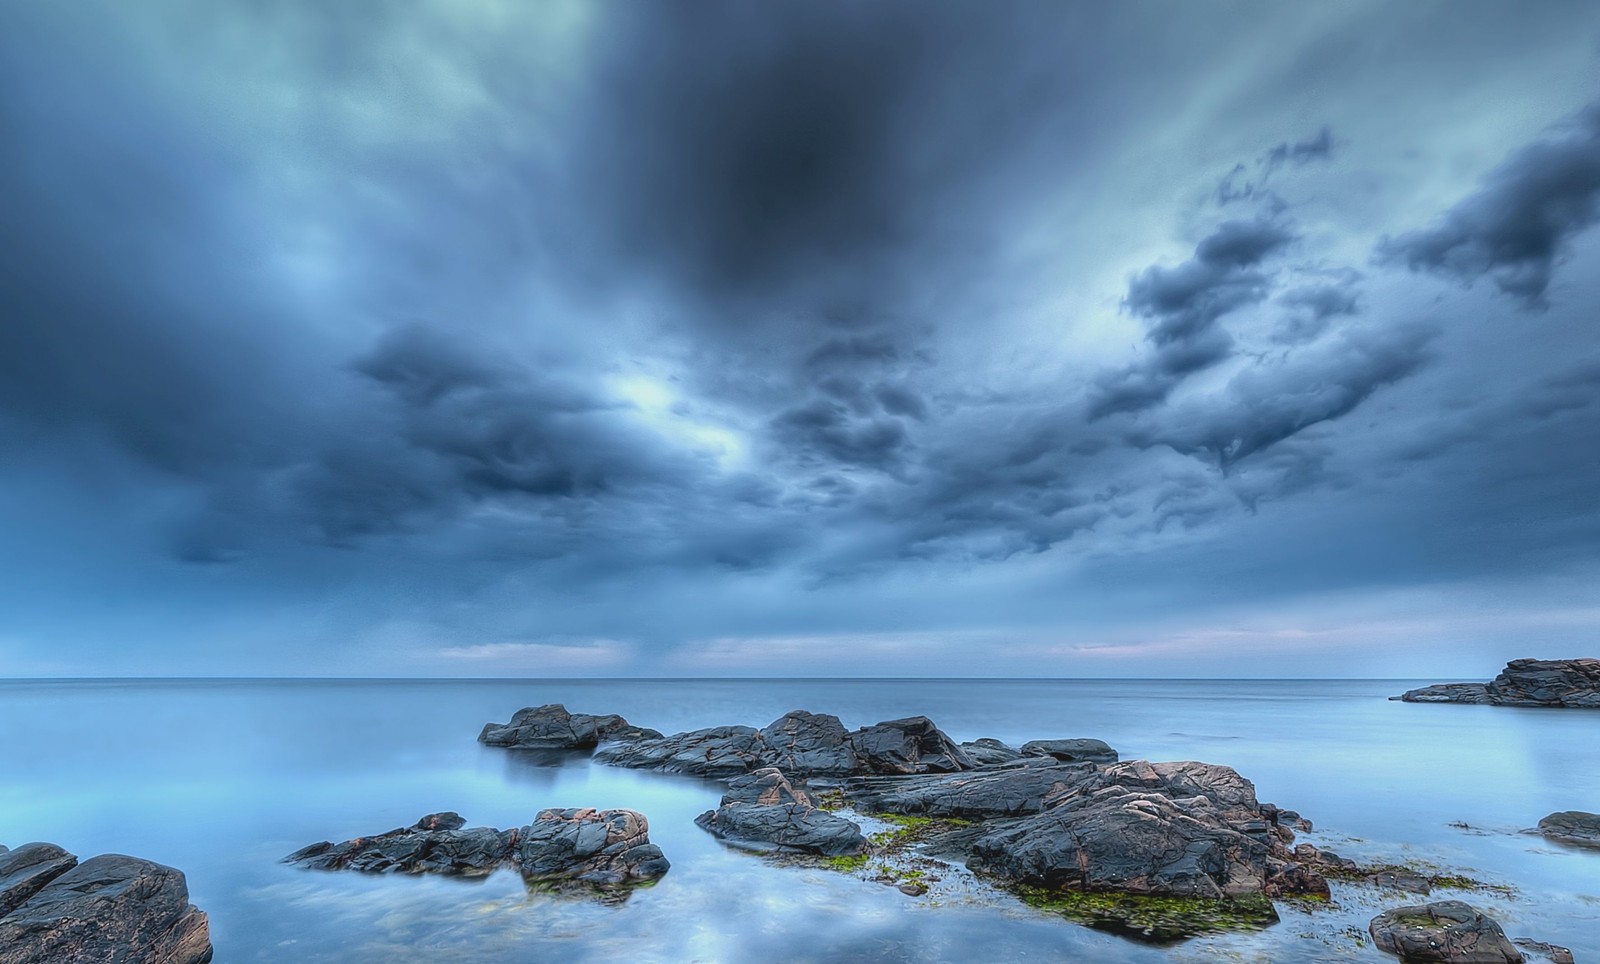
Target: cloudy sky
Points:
(824, 338)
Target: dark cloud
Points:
(1247, 182)
(1520, 223)
(1313, 306)
(1181, 306)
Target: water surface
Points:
(222, 778)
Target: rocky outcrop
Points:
(800, 743)
(1071, 751)
(1574, 827)
(1448, 930)
(1190, 830)
(1524, 682)
(110, 909)
(605, 848)
(551, 727)
(766, 786)
(985, 794)
(784, 826)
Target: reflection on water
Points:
(223, 778)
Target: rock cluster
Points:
(1524, 682)
(110, 909)
(604, 849)
(812, 744)
(551, 727)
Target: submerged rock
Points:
(604, 848)
(1524, 682)
(1554, 953)
(551, 727)
(1447, 930)
(1574, 827)
(1071, 751)
(110, 909)
(786, 826)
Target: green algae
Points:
(1153, 918)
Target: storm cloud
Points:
(687, 326)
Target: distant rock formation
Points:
(604, 849)
(111, 908)
(551, 727)
(1572, 827)
(1524, 682)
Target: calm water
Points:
(223, 778)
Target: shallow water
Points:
(222, 778)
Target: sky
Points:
(435, 338)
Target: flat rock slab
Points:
(785, 826)
(551, 727)
(600, 848)
(1574, 827)
(989, 793)
(1071, 751)
(1447, 930)
(110, 909)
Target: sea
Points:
(222, 778)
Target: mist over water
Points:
(223, 778)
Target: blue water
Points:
(222, 778)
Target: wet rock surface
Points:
(990, 752)
(1071, 751)
(800, 743)
(551, 727)
(988, 793)
(1447, 930)
(1524, 682)
(111, 909)
(1575, 827)
(786, 826)
(602, 848)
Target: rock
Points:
(1292, 879)
(799, 743)
(718, 751)
(1554, 953)
(766, 786)
(990, 752)
(976, 795)
(1524, 682)
(1447, 930)
(604, 848)
(1121, 839)
(110, 909)
(911, 745)
(25, 871)
(551, 727)
(1572, 827)
(1325, 860)
(913, 888)
(787, 826)
(1071, 751)
(812, 744)
(601, 847)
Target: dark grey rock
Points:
(911, 745)
(604, 848)
(976, 795)
(809, 744)
(766, 786)
(1447, 930)
(25, 871)
(1574, 827)
(990, 752)
(786, 826)
(110, 909)
(551, 727)
(718, 751)
(1524, 682)
(1121, 839)
(1071, 751)
(1554, 953)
